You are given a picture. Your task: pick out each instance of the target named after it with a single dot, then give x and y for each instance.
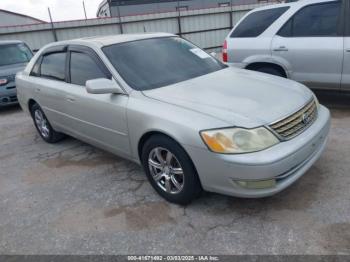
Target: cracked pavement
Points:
(71, 198)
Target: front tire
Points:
(43, 126)
(170, 170)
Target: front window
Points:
(14, 54)
(157, 62)
(314, 21)
(84, 68)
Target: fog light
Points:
(256, 184)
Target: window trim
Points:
(49, 51)
(340, 29)
(90, 53)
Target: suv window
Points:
(53, 66)
(84, 68)
(256, 23)
(314, 20)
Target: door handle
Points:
(70, 98)
(348, 50)
(281, 49)
(37, 89)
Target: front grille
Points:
(296, 123)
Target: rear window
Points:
(256, 23)
(53, 66)
(14, 54)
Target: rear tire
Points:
(269, 70)
(170, 170)
(43, 126)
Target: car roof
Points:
(297, 4)
(111, 39)
(7, 42)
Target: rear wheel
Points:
(170, 170)
(43, 125)
(269, 70)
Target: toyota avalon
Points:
(192, 122)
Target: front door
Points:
(97, 118)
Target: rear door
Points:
(48, 79)
(98, 118)
(346, 68)
(312, 43)
(247, 37)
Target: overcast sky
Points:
(60, 9)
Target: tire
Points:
(47, 133)
(269, 70)
(166, 178)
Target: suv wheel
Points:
(269, 70)
(170, 170)
(43, 125)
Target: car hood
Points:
(238, 97)
(8, 70)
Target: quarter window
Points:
(314, 21)
(256, 23)
(84, 68)
(53, 66)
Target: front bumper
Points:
(8, 95)
(284, 163)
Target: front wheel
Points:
(43, 126)
(170, 170)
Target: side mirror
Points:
(103, 86)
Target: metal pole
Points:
(52, 26)
(120, 19)
(84, 10)
(179, 18)
(231, 13)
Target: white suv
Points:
(307, 41)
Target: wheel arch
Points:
(257, 65)
(277, 62)
(151, 133)
(143, 139)
(30, 103)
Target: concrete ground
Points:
(71, 198)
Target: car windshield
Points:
(14, 54)
(157, 62)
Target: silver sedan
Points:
(192, 122)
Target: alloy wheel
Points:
(166, 170)
(41, 123)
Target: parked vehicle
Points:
(191, 121)
(307, 41)
(14, 56)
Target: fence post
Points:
(120, 20)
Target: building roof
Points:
(22, 15)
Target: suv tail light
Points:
(224, 52)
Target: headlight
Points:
(238, 140)
(316, 101)
(3, 81)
